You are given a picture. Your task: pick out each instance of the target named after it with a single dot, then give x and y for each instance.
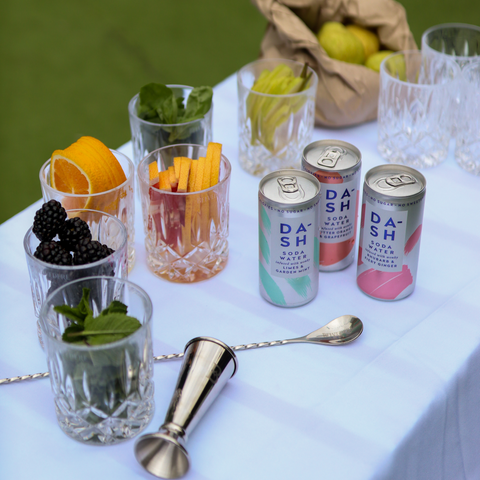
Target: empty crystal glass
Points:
(416, 108)
(458, 40)
(467, 145)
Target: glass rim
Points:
(143, 179)
(450, 25)
(423, 86)
(278, 60)
(447, 26)
(132, 112)
(130, 175)
(105, 346)
(76, 267)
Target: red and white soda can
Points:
(337, 166)
(391, 226)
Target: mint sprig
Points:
(158, 104)
(111, 325)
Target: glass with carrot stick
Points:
(184, 190)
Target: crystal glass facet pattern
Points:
(415, 108)
(467, 145)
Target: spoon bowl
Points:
(341, 330)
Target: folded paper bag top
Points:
(347, 94)
(207, 366)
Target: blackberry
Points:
(89, 251)
(53, 252)
(73, 230)
(48, 220)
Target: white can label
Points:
(384, 238)
(337, 207)
(293, 244)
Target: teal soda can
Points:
(288, 214)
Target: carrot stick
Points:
(153, 173)
(214, 154)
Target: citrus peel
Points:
(85, 167)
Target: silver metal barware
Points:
(207, 366)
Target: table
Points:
(401, 402)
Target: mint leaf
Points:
(111, 325)
(109, 328)
(198, 103)
(168, 110)
(115, 307)
(70, 334)
(158, 104)
(180, 107)
(152, 97)
(79, 313)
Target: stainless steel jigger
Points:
(207, 366)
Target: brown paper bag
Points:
(347, 94)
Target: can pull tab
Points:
(289, 188)
(330, 156)
(400, 180)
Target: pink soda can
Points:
(390, 230)
(337, 166)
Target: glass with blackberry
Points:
(65, 245)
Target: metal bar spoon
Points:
(340, 331)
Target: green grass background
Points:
(70, 68)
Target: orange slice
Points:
(86, 149)
(108, 159)
(67, 176)
(85, 167)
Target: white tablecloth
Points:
(401, 402)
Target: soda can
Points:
(337, 166)
(390, 230)
(288, 202)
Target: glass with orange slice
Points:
(184, 190)
(89, 175)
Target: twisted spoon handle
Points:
(250, 346)
(160, 358)
(23, 377)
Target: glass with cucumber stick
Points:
(276, 114)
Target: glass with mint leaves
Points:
(162, 115)
(97, 336)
